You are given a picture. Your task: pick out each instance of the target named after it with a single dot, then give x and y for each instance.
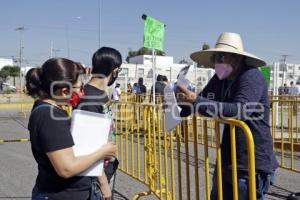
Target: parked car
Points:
(8, 87)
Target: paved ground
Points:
(18, 168)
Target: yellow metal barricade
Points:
(285, 130)
(148, 153)
(16, 101)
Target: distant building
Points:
(284, 73)
(141, 66)
(5, 62)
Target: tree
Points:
(4, 73)
(143, 51)
(183, 61)
(14, 72)
(205, 46)
(131, 54)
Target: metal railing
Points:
(168, 163)
(285, 126)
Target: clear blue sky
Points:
(269, 28)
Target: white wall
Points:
(147, 60)
(129, 74)
(6, 61)
(292, 73)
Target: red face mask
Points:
(75, 98)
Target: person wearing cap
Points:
(237, 90)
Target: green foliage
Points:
(183, 61)
(4, 73)
(205, 46)
(13, 71)
(143, 51)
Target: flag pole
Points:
(153, 76)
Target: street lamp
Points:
(67, 34)
(21, 29)
(170, 71)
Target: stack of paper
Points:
(90, 131)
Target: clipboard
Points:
(90, 131)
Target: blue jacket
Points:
(225, 98)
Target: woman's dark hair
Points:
(141, 81)
(165, 78)
(61, 70)
(159, 78)
(105, 60)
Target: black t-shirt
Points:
(143, 89)
(49, 128)
(93, 100)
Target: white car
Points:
(7, 86)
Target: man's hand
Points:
(104, 187)
(106, 192)
(184, 95)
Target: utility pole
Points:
(284, 68)
(55, 52)
(68, 40)
(99, 22)
(51, 49)
(67, 33)
(21, 29)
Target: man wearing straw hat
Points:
(237, 90)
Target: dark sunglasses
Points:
(217, 58)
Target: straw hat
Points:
(230, 43)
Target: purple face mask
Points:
(223, 70)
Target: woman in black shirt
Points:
(57, 83)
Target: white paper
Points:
(172, 110)
(222, 127)
(181, 80)
(90, 131)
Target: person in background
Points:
(165, 79)
(298, 88)
(129, 88)
(280, 90)
(159, 85)
(159, 89)
(106, 63)
(285, 89)
(293, 92)
(57, 83)
(143, 88)
(116, 94)
(136, 89)
(237, 90)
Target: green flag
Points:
(154, 33)
(266, 71)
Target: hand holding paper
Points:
(109, 149)
(185, 95)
